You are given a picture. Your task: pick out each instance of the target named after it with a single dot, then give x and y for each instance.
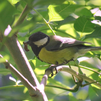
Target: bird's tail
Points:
(94, 48)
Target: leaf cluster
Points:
(79, 19)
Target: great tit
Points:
(57, 50)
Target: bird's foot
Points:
(52, 68)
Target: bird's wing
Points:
(58, 43)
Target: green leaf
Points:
(13, 1)
(38, 27)
(4, 71)
(48, 2)
(83, 24)
(82, 94)
(95, 34)
(98, 18)
(69, 19)
(29, 2)
(83, 12)
(32, 63)
(87, 0)
(95, 2)
(94, 93)
(6, 14)
(71, 97)
(13, 93)
(60, 12)
(57, 84)
(6, 57)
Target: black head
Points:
(37, 36)
(37, 41)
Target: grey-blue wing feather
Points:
(58, 43)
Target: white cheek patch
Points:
(41, 42)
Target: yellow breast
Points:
(56, 57)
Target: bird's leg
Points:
(51, 68)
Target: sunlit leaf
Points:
(6, 57)
(82, 94)
(96, 3)
(60, 12)
(13, 1)
(71, 97)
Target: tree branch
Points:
(21, 60)
(18, 74)
(23, 14)
(24, 67)
(65, 68)
(25, 81)
(84, 77)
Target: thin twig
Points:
(18, 74)
(16, 25)
(23, 15)
(34, 91)
(47, 23)
(65, 68)
(78, 75)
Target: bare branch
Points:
(25, 81)
(84, 77)
(65, 68)
(25, 69)
(18, 74)
(21, 60)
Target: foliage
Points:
(79, 19)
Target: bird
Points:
(57, 50)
